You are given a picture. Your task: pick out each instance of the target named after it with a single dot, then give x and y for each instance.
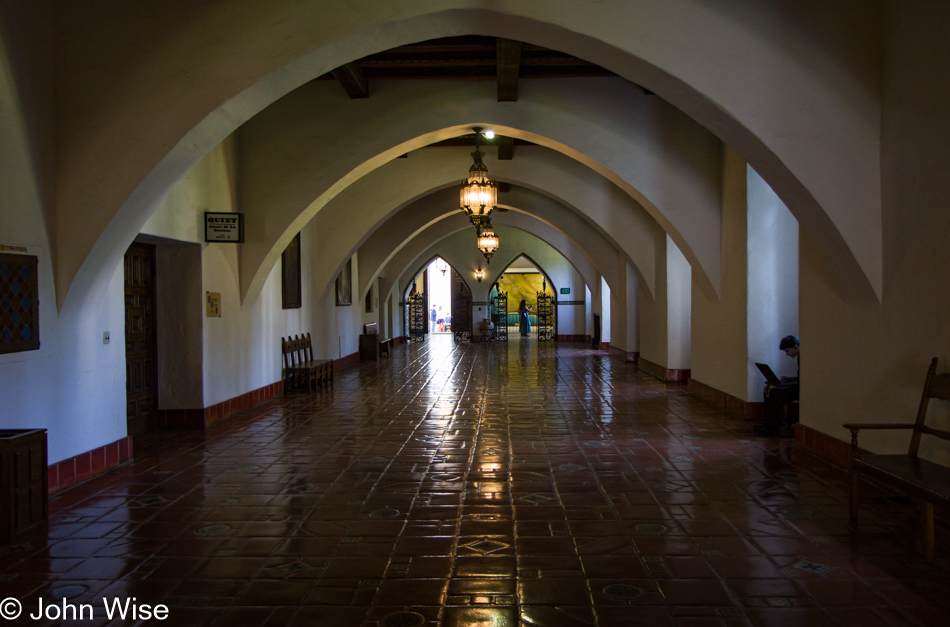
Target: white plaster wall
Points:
(679, 296)
(336, 329)
(352, 215)
(654, 322)
(74, 385)
(614, 135)
(867, 363)
(589, 322)
(572, 319)
(241, 349)
(773, 282)
(633, 311)
(528, 210)
(624, 304)
(825, 106)
(665, 318)
(396, 313)
(719, 336)
(618, 306)
(605, 309)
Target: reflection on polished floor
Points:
(479, 484)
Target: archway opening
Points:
(439, 284)
(524, 281)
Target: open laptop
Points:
(769, 375)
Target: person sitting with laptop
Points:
(781, 393)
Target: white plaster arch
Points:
(601, 259)
(386, 241)
(423, 264)
(126, 134)
(555, 240)
(451, 239)
(356, 211)
(299, 154)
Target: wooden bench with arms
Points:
(300, 368)
(925, 482)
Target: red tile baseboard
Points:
(201, 418)
(172, 419)
(573, 338)
(69, 472)
(226, 409)
(349, 360)
(628, 357)
(746, 410)
(670, 375)
(823, 445)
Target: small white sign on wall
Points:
(224, 227)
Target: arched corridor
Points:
(479, 484)
(203, 202)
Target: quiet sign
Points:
(224, 227)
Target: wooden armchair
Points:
(925, 482)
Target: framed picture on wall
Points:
(344, 285)
(290, 275)
(19, 303)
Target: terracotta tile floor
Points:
(469, 484)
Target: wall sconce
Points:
(479, 274)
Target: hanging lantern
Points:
(478, 194)
(487, 242)
(442, 265)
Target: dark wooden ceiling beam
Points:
(350, 76)
(469, 141)
(509, 67)
(506, 148)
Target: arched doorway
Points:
(524, 280)
(438, 301)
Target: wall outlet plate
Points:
(105, 337)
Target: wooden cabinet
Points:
(24, 503)
(369, 347)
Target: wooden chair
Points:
(926, 482)
(300, 368)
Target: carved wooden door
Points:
(461, 308)
(140, 351)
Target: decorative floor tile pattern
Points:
(526, 484)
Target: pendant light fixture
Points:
(487, 242)
(478, 194)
